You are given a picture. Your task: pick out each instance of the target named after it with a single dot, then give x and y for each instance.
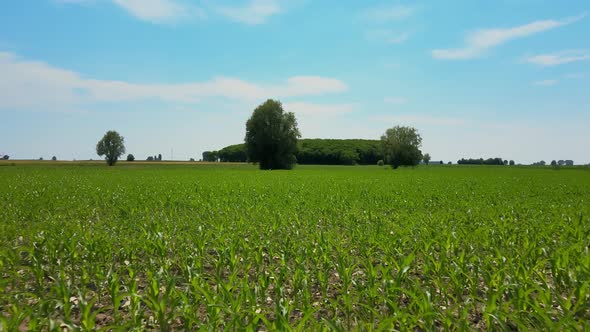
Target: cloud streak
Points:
(253, 13)
(387, 36)
(480, 41)
(383, 14)
(36, 85)
(154, 11)
(545, 82)
(558, 58)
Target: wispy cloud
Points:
(155, 11)
(387, 36)
(479, 42)
(254, 12)
(381, 16)
(558, 58)
(545, 82)
(386, 13)
(395, 100)
(28, 84)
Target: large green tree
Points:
(111, 146)
(401, 146)
(271, 136)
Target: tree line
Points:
(273, 141)
(314, 151)
(489, 161)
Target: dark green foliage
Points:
(481, 161)
(54, 158)
(112, 146)
(321, 152)
(5, 157)
(234, 153)
(426, 158)
(210, 156)
(339, 152)
(271, 136)
(130, 157)
(511, 163)
(380, 163)
(150, 158)
(401, 146)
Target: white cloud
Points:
(387, 36)
(545, 82)
(395, 100)
(254, 12)
(37, 85)
(480, 41)
(558, 58)
(382, 14)
(155, 11)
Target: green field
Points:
(190, 247)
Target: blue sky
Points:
(508, 78)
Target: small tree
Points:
(54, 158)
(112, 146)
(130, 157)
(401, 146)
(426, 158)
(511, 163)
(271, 136)
(5, 157)
(150, 158)
(159, 157)
(380, 163)
(553, 163)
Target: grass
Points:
(211, 247)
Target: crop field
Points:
(213, 247)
